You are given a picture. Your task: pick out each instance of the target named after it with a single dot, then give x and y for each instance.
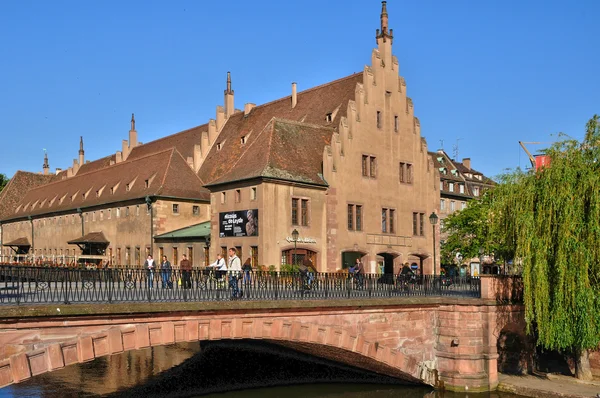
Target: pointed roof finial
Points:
(384, 34)
(46, 165)
(80, 144)
(229, 90)
(132, 122)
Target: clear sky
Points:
(486, 73)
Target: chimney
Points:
(294, 96)
(229, 108)
(467, 163)
(248, 108)
(81, 152)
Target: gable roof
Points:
(96, 164)
(312, 108)
(285, 150)
(183, 141)
(167, 174)
(20, 183)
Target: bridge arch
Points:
(320, 340)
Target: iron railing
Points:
(36, 285)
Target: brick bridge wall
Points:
(447, 343)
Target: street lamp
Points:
(295, 234)
(433, 219)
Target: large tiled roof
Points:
(313, 107)
(96, 164)
(447, 164)
(183, 141)
(167, 173)
(21, 182)
(283, 150)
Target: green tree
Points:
(551, 219)
(3, 181)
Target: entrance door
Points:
(388, 267)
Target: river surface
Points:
(224, 369)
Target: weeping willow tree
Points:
(551, 218)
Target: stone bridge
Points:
(449, 343)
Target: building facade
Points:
(333, 173)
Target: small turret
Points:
(46, 166)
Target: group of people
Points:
(232, 268)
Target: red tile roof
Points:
(92, 237)
(167, 173)
(313, 107)
(96, 164)
(18, 242)
(21, 182)
(285, 150)
(183, 141)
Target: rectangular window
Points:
(175, 257)
(441, 185)
(452, 204)
(238, 250)
(463, 205)
(224, 252)
(422, 224)
(138, 256)
(127, 211)
(254, 256)
(451, 186)
(161, 253)
(190, 254)
(137, 210)
(196, 210)
(409, 173)
(365, 165)
(175, 208)
(93, 216)
(305, 212)
(128, 256)
(109, 213)
(415, 223)
(118, 212)
(119, 262)
(401, 171)
(101, 215)
(358, 218)
(238, 195)
(253, 193)
(461, 188)
(396, 124)
(384, 225)
(373, 166)
(350, 217)
(223, 197)
(294, 211)
(378, 119)
(391, 221)
(206, 256)
(475, 191)
(443, 205)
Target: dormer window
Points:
(98, 194)
(147, 183)
(218, 146)
(112, 191)
(243, 140)
(127, 187)
(329, 117)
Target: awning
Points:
(91, 238)
(196, 231)
(20, 242)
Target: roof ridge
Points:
(171, 135)
(162, 184)
(310, 89)
(299, 123)
(103, 168)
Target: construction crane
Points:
(531, 158)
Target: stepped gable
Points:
(167, 174)
(283, 150)
(21, 182)
(96, 164)
(183, 141)
(312, 107)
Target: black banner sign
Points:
(238, 223)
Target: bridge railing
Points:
(34, 285)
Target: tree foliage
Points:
(551, 219)
(3, 181)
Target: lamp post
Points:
(295, 234)
(433, 219)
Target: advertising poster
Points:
(238, 223)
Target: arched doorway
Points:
(349, 258)
(386, 263)
(297, 257)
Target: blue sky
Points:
(486, 73)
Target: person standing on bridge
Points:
(186, 272)
(165, 268)
(234, 268)
(359, 271)
(149, 265)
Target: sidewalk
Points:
(554, 387)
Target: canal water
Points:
(224, 369)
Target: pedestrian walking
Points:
(166, 270)
(149, 265)
(186, 272)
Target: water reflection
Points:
(226, 369)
